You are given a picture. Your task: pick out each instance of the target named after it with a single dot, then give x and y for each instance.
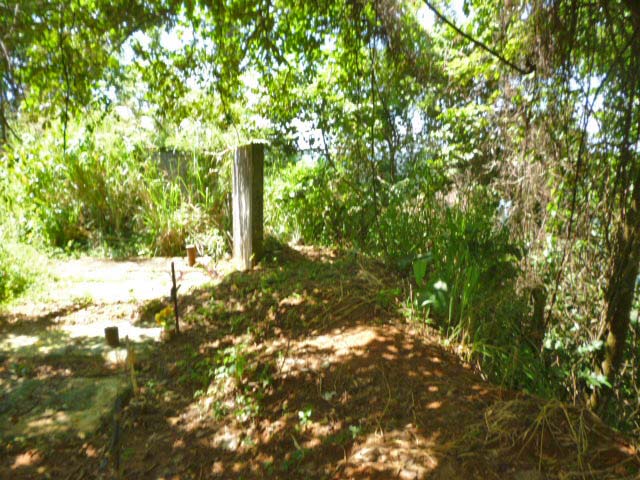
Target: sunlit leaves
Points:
(56, 52)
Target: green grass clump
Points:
(19, 268)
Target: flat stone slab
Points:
(76, 407)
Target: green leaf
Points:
(420, 270)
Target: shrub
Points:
(302, 204)
(467, 285)
(111, 192)
(19, 267)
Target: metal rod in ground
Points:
(174, 296)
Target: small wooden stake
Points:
(111, 335)
(191, 255)
(174, 296)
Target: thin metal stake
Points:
(174, 296)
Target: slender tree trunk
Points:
(3, 130)
(392, 159)
(626, 262)
(620, 292)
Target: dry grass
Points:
(567, 440)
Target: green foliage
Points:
(232, 378)
(304, 417)
(20, 267)
(232, 362)
(116, 192)
(470, 262)
(56, 54)
(301, 204)
(466, 284)
(21, 263)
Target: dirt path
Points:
(87, 290)
(88, 295)
(52, 344)
(302, 368)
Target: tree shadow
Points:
(300, 368)
(374, 404)
(17, 323)
(350, 395)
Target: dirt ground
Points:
(305, 367)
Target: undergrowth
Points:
(116, 192)
(471, 277)
(121, 192)
(20, 266)
(463, 262)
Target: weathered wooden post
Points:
(112, 337)
(248, 179)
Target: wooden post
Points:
(248, 178)
(191, 255)
(111, 335)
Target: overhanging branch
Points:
(478, 43)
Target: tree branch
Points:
(478, 43)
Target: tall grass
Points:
(20, 266)
(112, 192)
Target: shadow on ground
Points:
(303, 368)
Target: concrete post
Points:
(248, 204)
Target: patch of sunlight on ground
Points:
(47, 342)
(81, 339)
(345, 342)
(406, 452)
(14, 342)
(125, 329)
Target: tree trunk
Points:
(621, 285)
(3, 118)
(620, 293)
(624, 272)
